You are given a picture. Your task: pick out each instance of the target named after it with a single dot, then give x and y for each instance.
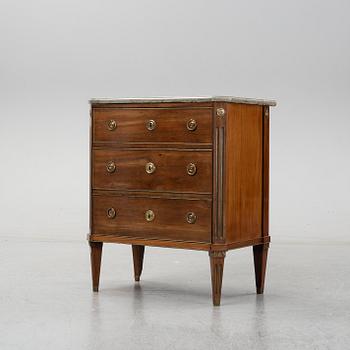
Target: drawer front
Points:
(152, 125)
(153, 170)
(176, 219)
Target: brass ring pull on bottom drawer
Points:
(191, 217)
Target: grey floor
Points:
(46, 300)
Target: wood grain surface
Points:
(243, 177)
(169, 222)
(170, 174)
(171, 125)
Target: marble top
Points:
(233, 99)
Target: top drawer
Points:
(152, 125)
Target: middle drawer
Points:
(153, 170)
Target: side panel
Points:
(244, 170)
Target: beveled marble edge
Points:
(233, 99)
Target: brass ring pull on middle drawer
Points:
(191, 169)
(151, 124)
(149, 215)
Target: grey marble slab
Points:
(254, 101)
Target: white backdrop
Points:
(55, 55)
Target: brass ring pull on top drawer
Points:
(191, 169)
(111, 213)
(192, 125)
(151, 124)
(111, 125)
(111, 167)
(150, 168)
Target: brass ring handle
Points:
(191, 125)
(149, 215)
(150, 168)
(191, 169)
(111, 125)
(111, 213)
(191, 217)
(111, 167)
(151, 124)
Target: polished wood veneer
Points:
(181, 173)
(171, 125)
(170, 174)
(169, 221)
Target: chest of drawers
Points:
(189, 173)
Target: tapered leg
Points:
(260, 259)
(95, 257)
(137, 253)
(217, 268)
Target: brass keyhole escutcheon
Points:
(151, 124)
(111, 213)
(111, 167)
(111, 125)
(150, 168)
(191, 217)
(191, 125)
(149, 215)
(191, 169)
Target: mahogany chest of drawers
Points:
(189, 173)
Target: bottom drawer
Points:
(174, 219)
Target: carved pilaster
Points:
(220, 113)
